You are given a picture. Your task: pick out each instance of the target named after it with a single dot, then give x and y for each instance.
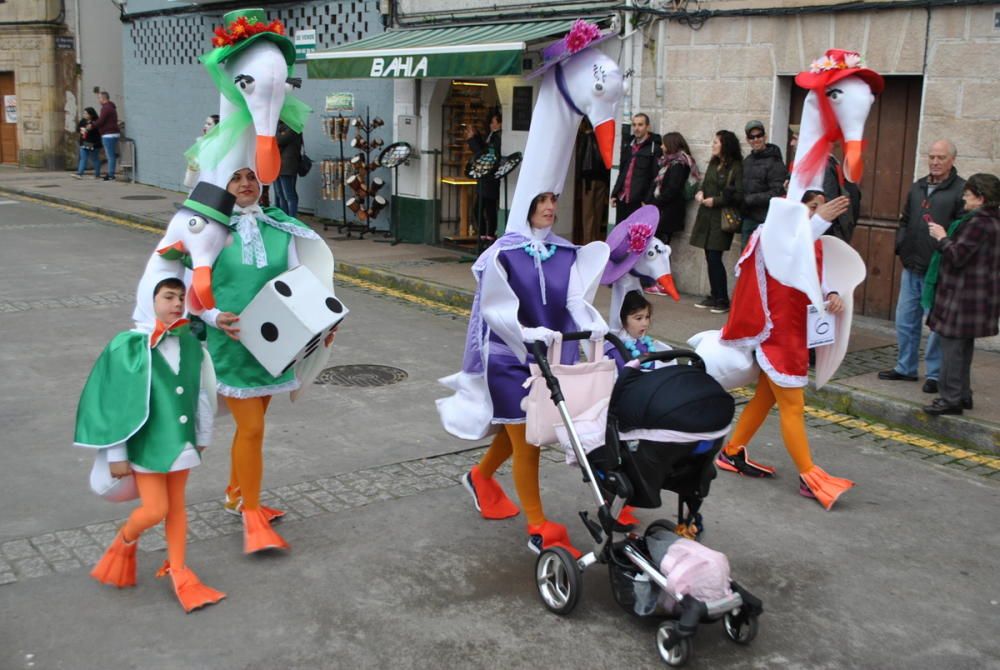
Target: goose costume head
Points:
(577, 80)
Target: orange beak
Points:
(268, 159)
(666, 282)
(605, 134)
(854, 165)
(200, 295)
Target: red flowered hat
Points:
(581, 36)
(243, 27)
(837, 64)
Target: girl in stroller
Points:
(637, 318)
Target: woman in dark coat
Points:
(90, 143)
(722, 187)
(962, 289)
(667, 189)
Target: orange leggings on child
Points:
(791, 410)
(247, 469)
(510, 440)
(162, 497)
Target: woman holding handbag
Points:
(290, 145)
(718, 216)
(532, 285)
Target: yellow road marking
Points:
(830, 416)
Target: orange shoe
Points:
(233, 503)
(191, 593)
(825, 488)
(258, 534)
(491, 502)
(550, 534)
(117, 565)
(627, 518)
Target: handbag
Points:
(691, 187)
(730, 221)
(305, 164)
(583, 385)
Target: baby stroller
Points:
(663, 431)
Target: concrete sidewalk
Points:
(444, 276)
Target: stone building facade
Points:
(38, 76)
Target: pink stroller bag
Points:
(694, 569)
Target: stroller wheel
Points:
(740, 628)
(674, 649)
(558, 579)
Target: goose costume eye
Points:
(196, 224)
(598, 88)
(245, 83)
(651, 253)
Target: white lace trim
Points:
(765, 333)
(508, 421)
(779, 378)
(256, 391)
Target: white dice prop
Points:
(288, 319)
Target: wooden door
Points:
(8, 131)
(889, 155)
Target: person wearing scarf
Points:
(531, 284)
(962, 289)
(263, 247)
(149, 405)
(667, 192)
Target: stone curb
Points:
(955, 430)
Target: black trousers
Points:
(488, 215)
(717, 274)
(955, 384)
(624, 209)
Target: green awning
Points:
(462, 51)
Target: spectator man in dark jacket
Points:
(937, 197)
(638, 166)
(834, 186)
(107, 126)
(286, 196)
(488, 186)
(764, 176)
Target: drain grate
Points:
(366, 376)
(143, 197)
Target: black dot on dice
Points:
(269, 331)
(283, 288)
(334, 305)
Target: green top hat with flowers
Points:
(243, 27)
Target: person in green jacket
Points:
(149, 405)
(721, 190)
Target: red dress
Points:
(771, 317)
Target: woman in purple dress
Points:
(532, 284)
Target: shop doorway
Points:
(468, 104)
(8, 119)
(593, 183)
(889, 156)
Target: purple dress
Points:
(612, 351)
(505, 375)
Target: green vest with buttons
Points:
(173, 405)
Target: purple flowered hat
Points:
(581, 36)
(628, 241)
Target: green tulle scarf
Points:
(934, 269)
(210, 149)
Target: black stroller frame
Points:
(559, 577)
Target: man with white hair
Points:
(936, 197)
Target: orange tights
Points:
(162, 496)
(510, 440)
(791, 410)
(247, 469)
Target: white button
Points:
(183, 418)
(180, 390)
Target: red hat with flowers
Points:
(837, 64)
(243, 27)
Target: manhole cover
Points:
(143, 197)
(47, 186)
(361, 375)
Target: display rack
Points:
(351, 180)
(392, 157)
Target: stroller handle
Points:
(673, 354)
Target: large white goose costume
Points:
(778, 275)
(531, 282)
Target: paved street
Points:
(390, 566)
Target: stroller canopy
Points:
(676, 397)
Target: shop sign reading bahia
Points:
(400, 66)
(411, 66)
